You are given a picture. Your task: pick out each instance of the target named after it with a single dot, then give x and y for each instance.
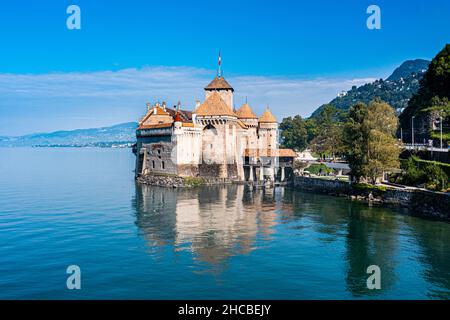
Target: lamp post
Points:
(441, 129)
(412, 131)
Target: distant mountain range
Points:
(396, 90)
(121, 135)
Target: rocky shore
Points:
(171, 181)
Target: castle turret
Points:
(249, 118)
(268, 130)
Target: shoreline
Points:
(420, 203)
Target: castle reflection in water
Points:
(214, 223)
(217, 223)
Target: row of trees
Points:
(365, 136)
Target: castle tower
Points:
(268, 130)
(249, 118)
(221, 86)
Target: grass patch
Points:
(193, 181)
(369, 187)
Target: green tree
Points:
(369, 140)
(311, 129)
(329, 127)
(294, 134)
(433, 94)
(355, 140)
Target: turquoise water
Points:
(60, 207)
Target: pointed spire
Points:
(177, 117)
(219, 69)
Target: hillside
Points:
(396, 90)
(407, 68)
(431, 102)
(117, 135)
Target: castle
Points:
(213, 141)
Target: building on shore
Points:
(214, 140)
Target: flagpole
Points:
(219, 71)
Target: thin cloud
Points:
(109, 97)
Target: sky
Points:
(292, 56)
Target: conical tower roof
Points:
(245, 112)
(267, 117)
(214, 106)
(219, 83)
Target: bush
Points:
(436, 177)
(369, 187)
(319, 169)
(412, 175)
(431, 174)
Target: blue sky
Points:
(291, 55)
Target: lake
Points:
(63, 206)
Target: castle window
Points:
(153, 164)
(162, 165)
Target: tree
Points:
(433, 93)
(328, 139)
(383, 149)
(293, 133)
(369, 140)
(297, 133)
(354, 140)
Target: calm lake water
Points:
(60, 207)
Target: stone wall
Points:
(188, 170)
(421, 203)
(158, 158)
(331, 187)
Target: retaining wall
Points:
(422, 203)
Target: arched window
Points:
(210, 129)
(162, 165)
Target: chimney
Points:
(164, 105)
(148, 106)
(197, 103)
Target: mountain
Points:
(409, 67)
(118, 135)
(396, 90)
